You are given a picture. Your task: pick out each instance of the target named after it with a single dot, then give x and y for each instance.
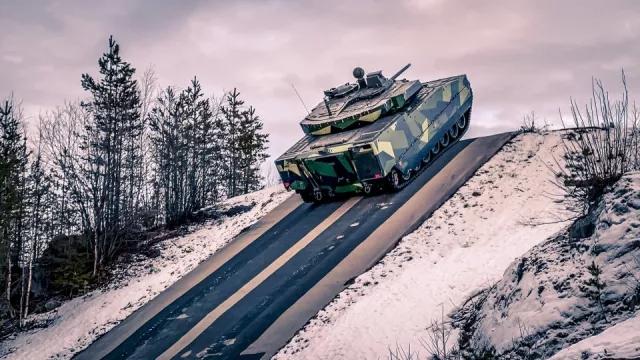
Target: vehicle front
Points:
(330, 171)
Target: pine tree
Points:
(132, 159)
(243, 146)
(40, 201)
(188, 138)
(196, 128)
(205, 148)
(218, 165)
(13, 163)
(232, 113)
(110, 154)
(167, 124)
(253, 145)
(593, 287)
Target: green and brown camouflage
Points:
(345, 107)
(363, 132)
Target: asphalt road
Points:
(250, 298)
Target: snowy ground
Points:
(619, 341)
(543, 292)
(466, 245)
(80, 321)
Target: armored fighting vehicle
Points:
(376, 133)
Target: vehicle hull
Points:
(358, 160)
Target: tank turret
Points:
(353, 105)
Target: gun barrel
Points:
(395, 76)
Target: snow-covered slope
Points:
(80, 321)
(466, 245)
(542, 304)
(476, 239)
(621, 341)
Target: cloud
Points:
(519, 55)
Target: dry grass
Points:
(601, 147)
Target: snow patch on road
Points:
(78, 322)
(464, 246)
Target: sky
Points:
(520, 56)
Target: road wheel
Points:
(445, 140)
(317, 196)
(454, 132)
(367, 188)
(436, 149)
(427, 158)
(407, 176)
(462, 123)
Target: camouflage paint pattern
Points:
(291, 174)
(416, 132)
(403, 142)
(319, 122)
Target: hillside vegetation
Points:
(98, 179)
(581, 281)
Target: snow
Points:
(464, 246)
(478, 238)
(619, 341)
(542, 292)
(80, 321)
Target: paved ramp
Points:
(251, 297)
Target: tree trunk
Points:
(9, 279)
(26, 307)
(95, 255)
(22, 296)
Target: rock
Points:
(583, 227)
(51, 304)
(239, 209)
(154, 253)
(620, 209)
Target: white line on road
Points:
(253, 283)
(114, 338)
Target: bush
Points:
(67, 266)
(530, 124)
(601, 147)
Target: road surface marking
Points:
(114, 338)
(426, 199)
(253, 283)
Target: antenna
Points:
(395, 76)
(305, 106)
